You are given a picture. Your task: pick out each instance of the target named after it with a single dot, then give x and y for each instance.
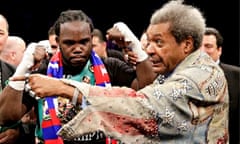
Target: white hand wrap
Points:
(135, 44)
(26, 63)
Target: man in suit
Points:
(212, 44)
(12, 132)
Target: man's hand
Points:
(9, 136)
(114, 35)
(133, 41)
(31, 61)
(41, 85)
(39, 54)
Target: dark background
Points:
(32, 19)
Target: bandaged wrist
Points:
(22, 68)
(17, 85)
(135, 44)
(82, 87)
(27, 60)
(137, 49)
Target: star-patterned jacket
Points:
(189, 106)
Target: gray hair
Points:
(185, 20)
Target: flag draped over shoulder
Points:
(51, 125)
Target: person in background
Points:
(187, 103)
(13, 51)
(48, 47)
(212, 44)
(3, 32)
(11, 132)
(10, 135)
(52, 40)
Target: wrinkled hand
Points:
(9, 136)
(42, 85)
